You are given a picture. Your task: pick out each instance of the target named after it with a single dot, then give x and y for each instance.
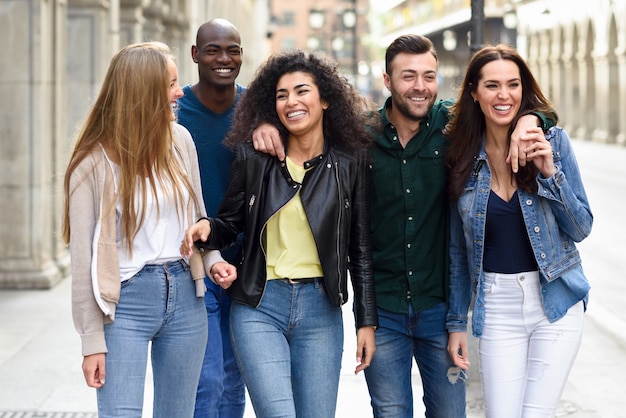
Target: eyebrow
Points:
(296, 87)
(507, 81)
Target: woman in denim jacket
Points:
(513, 240)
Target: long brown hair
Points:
(131, 118)
(467, 125)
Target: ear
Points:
(325, 105)
(387, 81)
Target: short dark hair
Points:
(410, 44)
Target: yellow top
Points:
(291, 250)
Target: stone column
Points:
(599, 131)
(585, 109)
(131, 22)
(31, 124)
(621, 93)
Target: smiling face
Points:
(413, 84)
(174, 91)
(499, 92)
(299, 105)
(218, 53)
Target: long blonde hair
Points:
(131, 119)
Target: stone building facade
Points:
(577, 49)
(55, 55)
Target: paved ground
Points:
(40, 367)
(40, 374)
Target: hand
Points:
(457, 349)
(365, 348)
(266, 138)
(517, 158)
(198, 231)
(94, 370)
(539, 151)
(223, 274)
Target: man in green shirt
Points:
(409, 224)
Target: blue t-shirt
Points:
(208, 129)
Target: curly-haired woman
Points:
(306, 223)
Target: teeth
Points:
(502, 107)
(222, 70)
(295, 114)
(418, 99)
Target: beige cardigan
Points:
(93, 240)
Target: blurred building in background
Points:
(57, 51)
(336, 28)
(55, 55)
(576, 49)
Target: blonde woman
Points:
(132, 187)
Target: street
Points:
(40, 359)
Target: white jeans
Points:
(524, 359)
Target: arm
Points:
(222, 231)
(564, 190)
(360, 250)
(460, 292)
(84, 209)
(266, 138)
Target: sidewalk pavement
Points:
(40, 373)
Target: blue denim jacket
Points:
(556, 217)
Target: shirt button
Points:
(521, 278)
(395, 138)
(543, 255)
(408, 246)
(403, 161)
(408, 190)
(436, 152)
(410, 218)
(537, 229)
(410, 273)
(529, 202)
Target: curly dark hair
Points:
(467, 125)
(345, 121)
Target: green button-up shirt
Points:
(410, 214)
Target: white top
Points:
(158, 240)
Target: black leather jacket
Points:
(335, 197)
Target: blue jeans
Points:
(399, 338)
(289, 350)
(221, 392)
(157, 305)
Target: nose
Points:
(292, 99)
(179, 92)
(223, 56)
(503, 93)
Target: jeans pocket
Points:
(489, 282)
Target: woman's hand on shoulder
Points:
(539, 150)
(266, 139)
